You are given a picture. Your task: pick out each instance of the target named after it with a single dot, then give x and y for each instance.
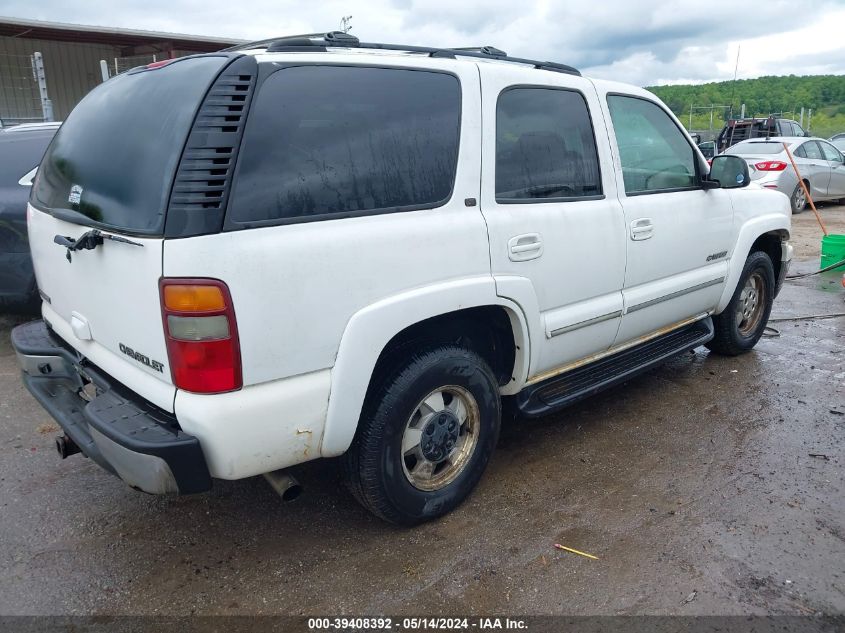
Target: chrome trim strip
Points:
(580, 324)
(612, 350)
(673, 295)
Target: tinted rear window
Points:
(756, 148)
(545, 147)
(112, 162)
(329, 141)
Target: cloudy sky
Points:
(644, 42)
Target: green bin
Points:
(833, 250)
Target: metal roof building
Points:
(69, 64)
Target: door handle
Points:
(522, 248)
(641, 229)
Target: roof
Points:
(38, 29)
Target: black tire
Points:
(798, 199)
(731, 339)
(375, 468)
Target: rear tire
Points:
(798, 199)
(740, 325)
(425, 435)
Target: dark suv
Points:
(737, 130)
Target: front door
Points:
(678, 235)
(557, 239)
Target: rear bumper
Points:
(124, 434)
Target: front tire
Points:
(425, 435)
(740, 325)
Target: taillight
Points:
(771, 165)
(202, 335)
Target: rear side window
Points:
(654, 153)
(545, 147)
(112, 162)
(811, 150)
(331, 141)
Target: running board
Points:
(570, 387)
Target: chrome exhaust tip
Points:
(285, 485)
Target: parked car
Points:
(21, 149)
(708, 149)
(820, 163)
(839, 143)
(330, 250)
(837, 137)
(738, 130)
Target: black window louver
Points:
(204, 177)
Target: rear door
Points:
(813, 167)
(110, 169)
(551, 209)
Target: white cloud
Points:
(647, 42)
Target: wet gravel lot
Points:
(708, 486)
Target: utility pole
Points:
(733, 90)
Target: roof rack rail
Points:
(324, 41)
(487, 50)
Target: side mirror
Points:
(730, 172)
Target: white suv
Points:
(311, 247)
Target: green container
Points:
(833, 250)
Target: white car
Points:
(312, 247)
(821, 165)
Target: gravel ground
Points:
(708, 486)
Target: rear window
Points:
(754, 148)
(112, 162)
(328, 141)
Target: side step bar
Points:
(582, 382)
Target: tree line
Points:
(763, 96)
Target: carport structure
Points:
(71, 55)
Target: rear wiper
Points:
(89, 241)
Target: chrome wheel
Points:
(440, 437)
(799, 198)
(752, 301)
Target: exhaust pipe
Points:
(286, 486)
(66, 446)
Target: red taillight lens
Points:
(202, 335)
(771, 165)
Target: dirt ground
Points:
(711, 485)
(806, 234)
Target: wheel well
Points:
(486, 330)
(770, 243)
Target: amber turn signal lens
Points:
(186, 298)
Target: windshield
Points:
(756, 147)
(113, 160)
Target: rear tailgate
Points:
(110, 169)
(104, 302)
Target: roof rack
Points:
(324, 41)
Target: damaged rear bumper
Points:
(124, 434)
